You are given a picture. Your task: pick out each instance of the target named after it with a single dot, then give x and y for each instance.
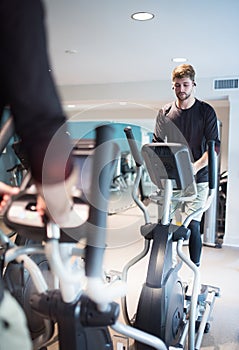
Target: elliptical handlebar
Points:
(133, 146)
(139, 162)
(102, 170)
(7, 131)
(105, 156)
(211, 165)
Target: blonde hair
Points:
(183, 71)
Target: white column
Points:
(232, 205)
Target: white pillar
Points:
(232, 204)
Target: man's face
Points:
(183, 88)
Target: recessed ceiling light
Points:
(142, 16)
(179, 59)
(70, 51)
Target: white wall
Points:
(232, 236)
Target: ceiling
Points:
(110, 47)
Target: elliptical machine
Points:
(52, 293)
(164, 309)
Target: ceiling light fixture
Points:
(179, 59)
(71, 51)
(142, 16)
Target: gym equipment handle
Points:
(104, 154)
(211, 165)
(7, 131)
(133, 146)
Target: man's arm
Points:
(200, 163)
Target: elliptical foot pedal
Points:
(215, 290)
(202, 296)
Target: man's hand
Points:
(194, 169)
(6, 192)
(56, 200)
(41, 206)
(200, 163)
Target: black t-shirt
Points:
(193, 127)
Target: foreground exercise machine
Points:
(71, 294)
(164, 309)
(45, 282)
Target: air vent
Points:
(226, 84)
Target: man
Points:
(191, 122)
(28, 89)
